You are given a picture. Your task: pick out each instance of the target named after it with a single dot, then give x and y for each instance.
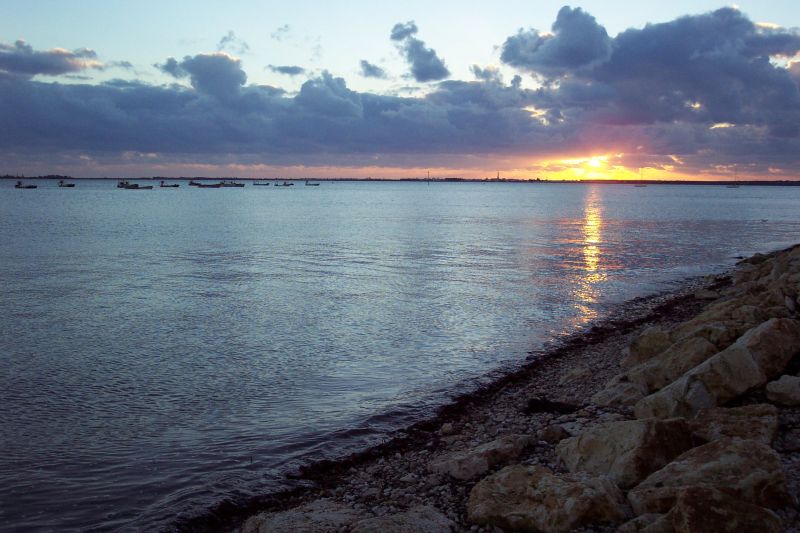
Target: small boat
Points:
(311, 184)
(193, 183)
(19, 185)
(63, 183)
(261, 184)
(208, 185)
(125, 184)
(230, 184)
(168, 185)
(284, 184)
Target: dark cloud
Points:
(425, 64)
(705, 90)
(402, 30)
(217, 74)
(289, 70)
(231, 43)
(121, 64)
(22, 60)
(577, 41)
(490, 73)
(368, 70)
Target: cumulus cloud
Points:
(368, 70)
(577, 41)
(21, 59)
(490, 73)
(655, 93)
(425, 64)
(289, 70)
(217, 74)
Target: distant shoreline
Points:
(784, 183)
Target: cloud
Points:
(280, 32)
(401, 31)
(231, 43)
(22, 60)
(368, 70)
(425, 64)
(577, 41)
(289, 70)
(490, 73)
(655, 94)
(217, 74)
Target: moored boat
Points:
(230, 184)
(20, 185)
(125, 184)
(64, 184)
(168, 185)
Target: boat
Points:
(262, 184)
(19, 185)
(208, 185)
(311, 184)
(193, 183)
(125, 184)
(168, 185)
(284, 184)
(63, 183)
(230, 184)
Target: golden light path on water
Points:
(592, 270)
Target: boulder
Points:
(422, 518)
(478, 461)
(755, 422)
(532, 498)
(647, 523)
(650, 342)
(746, 469)
(785, 391)
(553, 434)
(626, 451)
(757, 356)
(620, 391)
(672, 363)
(703, 509)
(317, 516)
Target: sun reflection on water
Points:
(592, 271)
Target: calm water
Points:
(162, 350)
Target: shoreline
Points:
(319, 479)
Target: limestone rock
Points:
(532, 498)
(553, 434)
(626, 451)
(651, 342)
(647, 523)
(745, 469)
(672, 363)
(785, 391)
(699, 509)
(761, 353)
(620, 391)
(756, 422)
(317, 516)
(422, 518)
(472, 463)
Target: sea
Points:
(164, 350)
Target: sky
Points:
(529, 89)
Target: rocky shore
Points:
(681, 414)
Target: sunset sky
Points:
(653, 90)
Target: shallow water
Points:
(162, 350)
